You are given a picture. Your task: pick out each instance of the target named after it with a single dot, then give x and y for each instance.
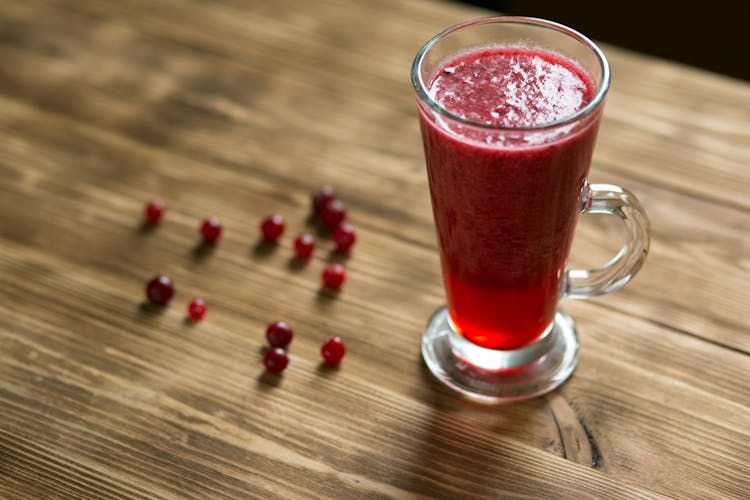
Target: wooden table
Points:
(239, 109)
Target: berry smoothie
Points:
(505, 197)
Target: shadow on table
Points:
(336, 255)
(468, 447)
(146, 227)
(268, 381)
(147, 309)
(326, 296)
(295, 264)
(263, 249)
(202, 250)
(325, 370)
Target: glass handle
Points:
(610, 199)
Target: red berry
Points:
(275, 360)
(334, 275)
(333, 350)
(154, 211)
(160, 290)
(279, 334)
(197, 309)
(321, 198)
(211, 230)
(272, 227)
(333, 213)
(304, 245)
(344, 237)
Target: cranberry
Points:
(344, 237)
(321, 198)
(160, 290)
(211, 230)
(272, 227)
(197, 309)
(334, 275)
(333, 350)
(279, 334)
(154, 211)
(333, 213)
(304, 245)
(275, 360)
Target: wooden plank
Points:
(705, 125)
(402, 198)
(269, 288)
(650, 110)
(695, 279)
(148, 405)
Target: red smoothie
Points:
(506, 201)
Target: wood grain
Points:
(241, 108)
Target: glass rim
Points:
(601, 91)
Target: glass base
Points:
(495, 376)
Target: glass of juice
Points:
(509, 109)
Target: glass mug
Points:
(507, 186)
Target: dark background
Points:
(713, 35)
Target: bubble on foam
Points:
(526, 89)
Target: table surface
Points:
(240, 108)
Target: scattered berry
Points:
(160, 290)
(334, 275)
(321, 198)
(333, 350)
(196, 309)
(272, 227)
(304, 245)
(279, 334)
(344, 237)
(154, 211)
(211, 230)
(275, 360)
(333, 213)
